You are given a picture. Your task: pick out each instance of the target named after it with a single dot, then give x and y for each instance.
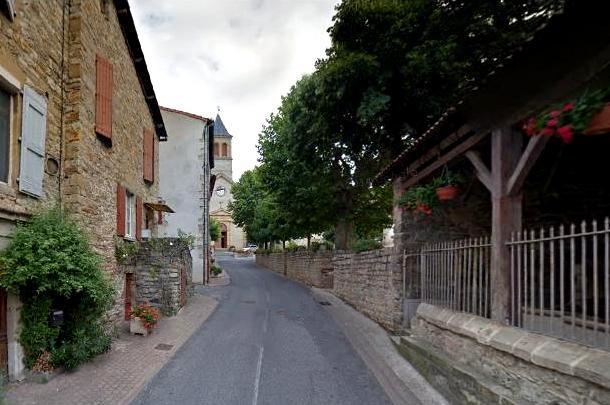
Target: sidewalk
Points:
(117, 376)
(401, 382)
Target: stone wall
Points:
(93, 169)
(311, 268)
(474, 360)
(371, 282)
(30, 55)
(157, 267)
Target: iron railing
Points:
(560, 282)
(455, 275)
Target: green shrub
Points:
(216, 270)
(362, 245)
(50, 264)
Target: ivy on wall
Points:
(51, 266)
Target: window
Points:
(216, 149)
(129, 209)
(5, 127)
(225, 150)
(130, 214)
(8, 8)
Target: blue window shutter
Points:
(33, 130)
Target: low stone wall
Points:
(158, 267)
(272, 261)
(474, 360)
(371, 282)
(311, 268)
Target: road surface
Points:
(268, 342)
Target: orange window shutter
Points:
(139, 218)
(152, 157)
(103, 97)
(120, 210)
(148, 156)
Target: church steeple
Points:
(220, 129)
(222, 149)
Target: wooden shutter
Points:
(160, 217)
(139, 218)
(34, 123)
(120, 210)
(103, 98)
(148, 149)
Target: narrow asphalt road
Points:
(268, 342)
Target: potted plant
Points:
(143, 319)
(419, 199)
(587, 115)
(447, 185)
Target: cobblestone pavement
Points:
(117, 376)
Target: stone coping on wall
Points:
(566, 357)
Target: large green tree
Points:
(392, 68)
(255, 209)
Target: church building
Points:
(230, 234)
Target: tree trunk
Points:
(308, 240)
(283, 245)
(343, 235)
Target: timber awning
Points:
(561, 59)
(162, 207)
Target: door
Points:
(128, 294)
(3, 334)
(223, 236)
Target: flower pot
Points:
(136, 327)
(447, 193)
(600, 123)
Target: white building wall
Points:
(182, 182)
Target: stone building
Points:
(184, 162)
(79, 127)
(231, 234)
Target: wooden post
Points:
(506, 147)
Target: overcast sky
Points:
(241, 55)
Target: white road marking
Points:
(259, 365)
(257, 380)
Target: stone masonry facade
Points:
(30, 55)
(370, 281)
(159, 267)
(93, 170)
(51, 48)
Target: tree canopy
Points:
(392, 69)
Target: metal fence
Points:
(560, 282)
(455, 275)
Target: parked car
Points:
(250, 247)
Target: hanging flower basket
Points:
(447, 192)
(447, 185)
(600, 123)
(587, 115)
